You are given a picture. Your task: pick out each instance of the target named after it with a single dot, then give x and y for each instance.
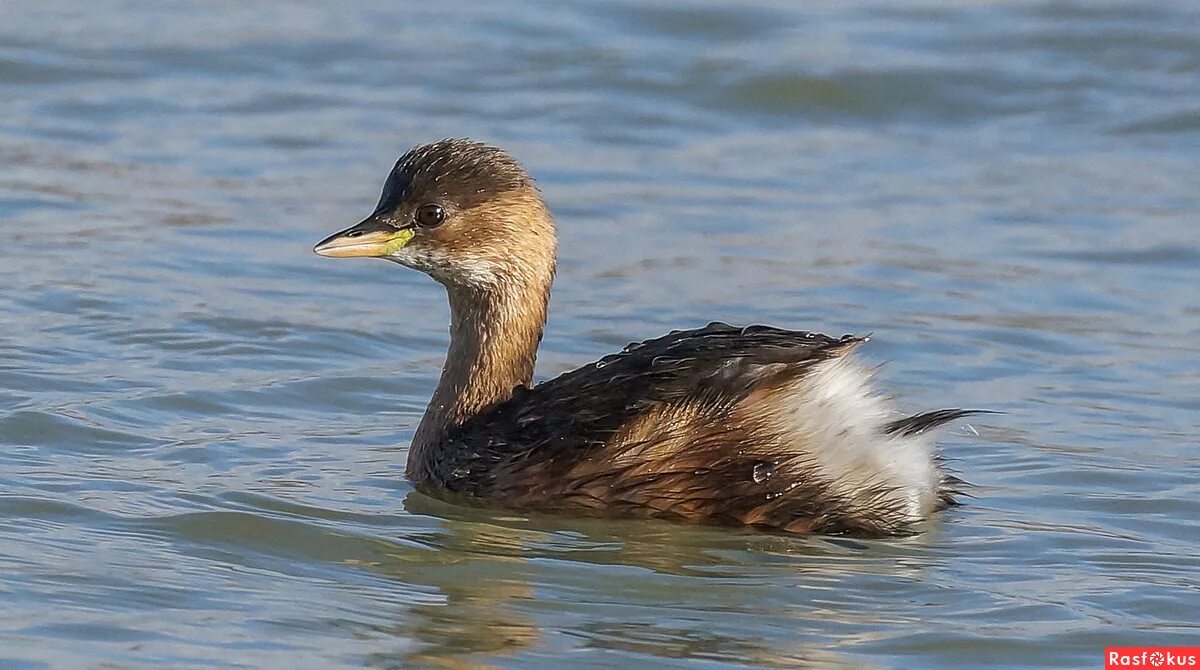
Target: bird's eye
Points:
(430, 216)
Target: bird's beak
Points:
(371, 238)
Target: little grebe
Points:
(758, 426)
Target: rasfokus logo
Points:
(1151, 657)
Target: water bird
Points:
(752, 426)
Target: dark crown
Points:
(459, 171)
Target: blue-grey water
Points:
(203, 425)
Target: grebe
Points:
(755, 426)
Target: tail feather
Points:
(950, 487)
(919, 423)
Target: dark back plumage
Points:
(718, 365)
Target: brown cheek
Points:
(469, 240)
(510, 226)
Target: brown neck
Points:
(494, 336)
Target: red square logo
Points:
(1153, 658)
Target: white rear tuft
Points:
(835, 415)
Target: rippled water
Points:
(203, 425)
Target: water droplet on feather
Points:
(763, 471)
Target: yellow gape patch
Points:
(397, 243)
